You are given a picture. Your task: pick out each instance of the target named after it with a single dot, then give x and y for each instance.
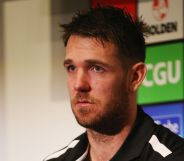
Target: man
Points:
(105, 53)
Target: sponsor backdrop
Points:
(162, 92)
(164, 79)
(165, 18)
(169, 115)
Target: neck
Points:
(103, 147)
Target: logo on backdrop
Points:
(160, 9)
(163, 73)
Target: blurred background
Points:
(35, 115)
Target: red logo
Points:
(160, 9)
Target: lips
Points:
(83, 100)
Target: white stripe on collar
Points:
(62, 151)
(159, 147)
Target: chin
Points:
(85, 121)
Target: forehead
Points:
(79, 46)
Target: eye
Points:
(70, 68)
(97, 69)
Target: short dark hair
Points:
(110, 24)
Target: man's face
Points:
(97, 84)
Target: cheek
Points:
(105, 87)
(70, 85)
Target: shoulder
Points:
(170, 144)
(74, 145)
(168, 138)
(60, 153)
(164, 145)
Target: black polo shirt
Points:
(147, 141)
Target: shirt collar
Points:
(137, 139)
(131, 148)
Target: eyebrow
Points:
(67, 61)
(88, 61)
(94, 61)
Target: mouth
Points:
(83, 102)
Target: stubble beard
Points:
(110, 121)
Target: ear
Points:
(137, 74)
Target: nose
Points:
(81, 83)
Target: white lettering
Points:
(174, 127)
(163, 73)
(171, 78)
(159, 72)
